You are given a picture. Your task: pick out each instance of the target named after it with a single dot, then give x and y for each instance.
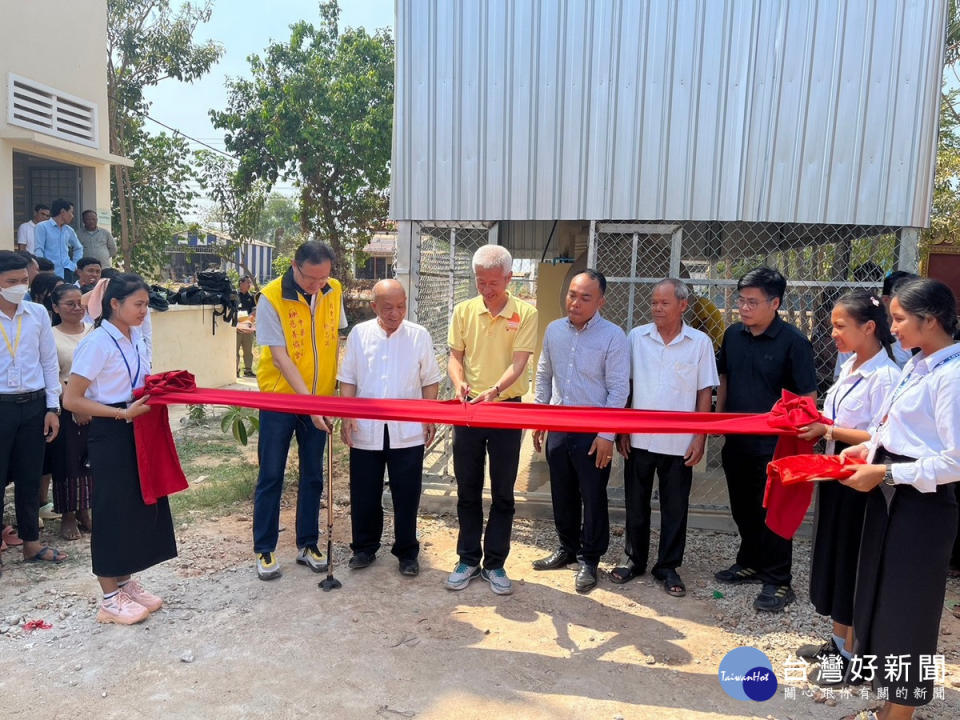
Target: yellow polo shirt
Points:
(488, 343)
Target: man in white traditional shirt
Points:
(25, 233)
(387, 357)
(672, 367)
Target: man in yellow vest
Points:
(299, 316)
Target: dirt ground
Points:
(227, 645)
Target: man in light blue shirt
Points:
(57, 241)
(585, 361)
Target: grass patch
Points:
(222, 487)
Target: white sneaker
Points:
(499, 582)
(267, 566)
(461, 576)
(312, 558)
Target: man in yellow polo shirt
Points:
(299, 316)
(491, 339)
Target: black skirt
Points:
(837, 529)
(902, 580)
(128, 536)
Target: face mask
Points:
(14, 294)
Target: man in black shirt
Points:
(759, 357)
(245, 332)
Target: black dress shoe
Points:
(410, 568)
(560, 558)
(586, 577)
(361, 560)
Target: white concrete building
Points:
(54, 123)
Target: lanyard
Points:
(837, 403)
(16, 342)
(133, 378)
(903, 383)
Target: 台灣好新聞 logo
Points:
(746, 674)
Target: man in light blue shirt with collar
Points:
(57, 241)
(585, 361)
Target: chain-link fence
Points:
(445, 279)
(820, 262)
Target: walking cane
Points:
(329, 582)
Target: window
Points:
(41, 108)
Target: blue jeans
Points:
(276, 430)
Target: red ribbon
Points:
(808, 468)
(32, 625)
(177, 388)
(160, 472)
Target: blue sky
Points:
(245, 27)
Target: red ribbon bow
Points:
(787, 503)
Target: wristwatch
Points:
(888, 476)
(55, 411)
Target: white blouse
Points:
(854, 400)
(921, 418)
(114, 365)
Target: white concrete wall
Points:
(78, 29)
(183, 339)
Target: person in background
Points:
(246, 329)
(128, 535)
(33, 267)
(26, 240)
(40, 288)
(57, 241)
(387, 357)
(299, 317)
(862, 329)
(29, 400)
(585, 363)
(88, 272)
(672, 367)
(97, 241)
(491, 338)
(72, 481)
(912, 463)
(760, 357)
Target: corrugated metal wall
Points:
(799, 111)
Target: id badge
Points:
(13, 377)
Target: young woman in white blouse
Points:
(911, 515)
(72, 482)
(861, 327)
(128, 535)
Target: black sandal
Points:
(673, 584)
(624, 574)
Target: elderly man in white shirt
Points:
(672, 367)
(387, 357)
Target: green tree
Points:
(148, 42)
(318, 109)
(239, 204)
(945, 216)
(280, 223)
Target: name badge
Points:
(13, 377)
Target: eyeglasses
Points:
(751, 303)
(312, 278)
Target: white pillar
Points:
(908, 244)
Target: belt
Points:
(21, 398)
(883, 456)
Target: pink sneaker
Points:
(121, 609)
(136, 593)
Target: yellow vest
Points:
(311, 340)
